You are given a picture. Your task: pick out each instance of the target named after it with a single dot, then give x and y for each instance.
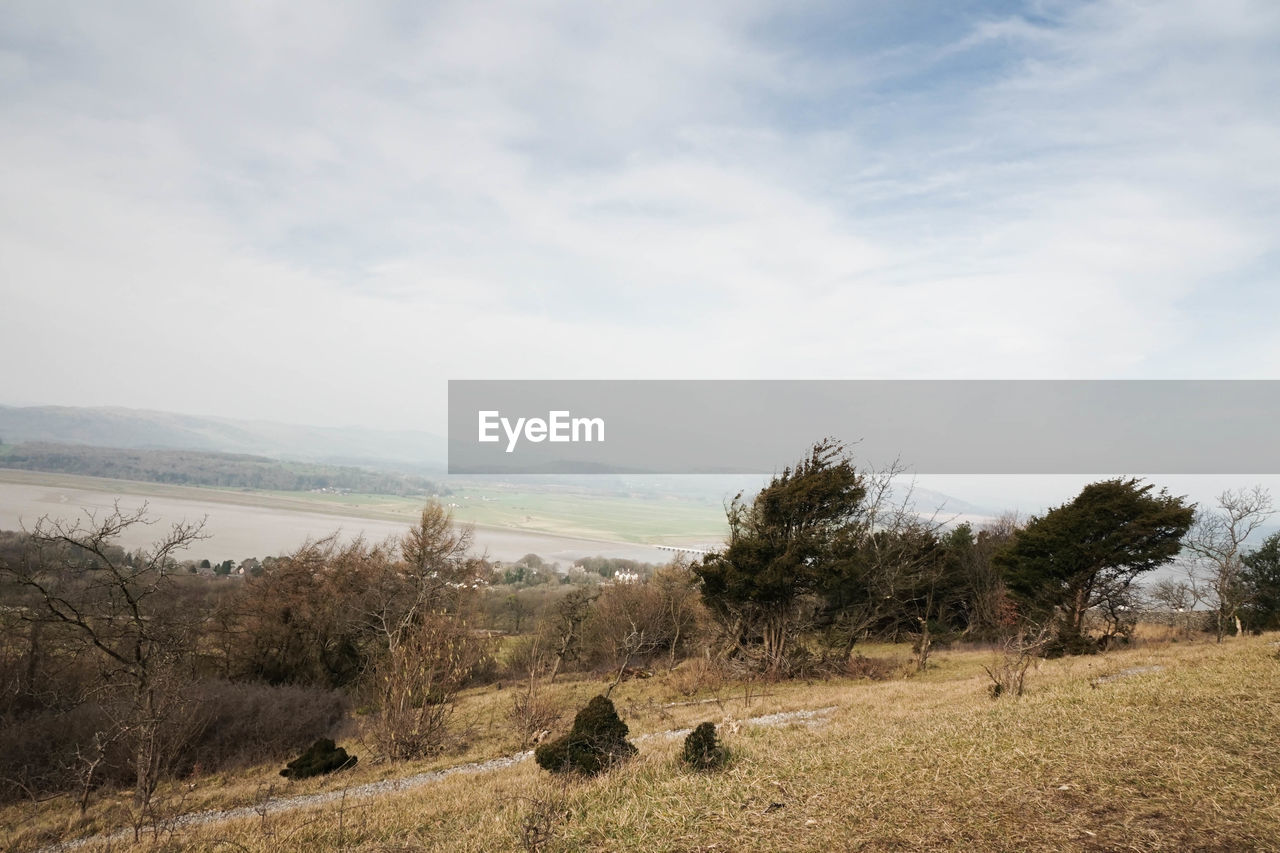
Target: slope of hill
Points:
(202, 468)
(1167, 747)
(144, 429)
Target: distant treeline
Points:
(199, 468)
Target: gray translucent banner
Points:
(932, 426)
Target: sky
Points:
(319, 213)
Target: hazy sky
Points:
(319, 213)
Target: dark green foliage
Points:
(1086, 554)
(776, 541)
(597, 740)
(781, 547)
(320, 758)
(702, 749)
(1261, 581)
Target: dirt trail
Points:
(391, 786)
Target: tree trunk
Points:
(145, 753)
(1077, 616)
(922, 653)
(775, 640)
(675, 644)
(622, 670)
(33, 656)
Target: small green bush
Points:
(597, 740)
(702, 749)
(320, 758)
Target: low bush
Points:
(875, 669)
(59, 749)
(1069, 643)
(1016, 655)
(247, 724)
(415, 684)
(531, 712)
(321, 757)
(696, 675)
(597, 741)
(702, 749)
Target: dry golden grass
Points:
(1176, 758)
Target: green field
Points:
(559, 511)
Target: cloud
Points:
(320, 213)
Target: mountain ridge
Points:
(148, 429)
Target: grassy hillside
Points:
(1173, 750)
(199, 468)
(141, 428)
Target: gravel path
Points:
(391, 786)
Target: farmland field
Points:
(510, 522)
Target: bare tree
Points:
(115, 604)
(991, 612)
(1216, 539)
(887, 565)
(677, 588)
(1177, 599)
(416, 681)
(427, 652)
(307, 619)
(532, 712)
(626, 623)
(438, 561)
(565, 628)
(1118, 607)
(1015, 655)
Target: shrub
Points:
(875, 669)
(47, 752)
(702, 749)
(246, 724)
(320, 758)
(525, 656)
(1069, 642)
(1008, 669)
(531, 713)
(597, 740)
(696, 675)
(415, 683)
(51, 750)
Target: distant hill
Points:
(203, 468)
(143, 429)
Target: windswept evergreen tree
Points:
(781, 548)
(1087, 553)
(1261, 582)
